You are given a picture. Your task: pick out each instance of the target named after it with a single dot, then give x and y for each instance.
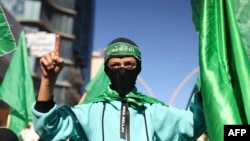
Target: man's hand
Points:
(51, 64)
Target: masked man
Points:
(120, 112)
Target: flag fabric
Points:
(17, 88)
(96, 86)
(7, 42)
(224, 43)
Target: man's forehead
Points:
(122, 58)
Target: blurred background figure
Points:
(29, 134)
(203, 137)
(7, 135)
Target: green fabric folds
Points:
(17, 88)
(121, 48)
(224, 36)
(7, 42)
(97, 85)
(97, 90)
(134, 98)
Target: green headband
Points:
(121, 48)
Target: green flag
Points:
(7, 42)
(97, 85)
(224, 37)
(17, 88)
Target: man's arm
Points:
(50, 65)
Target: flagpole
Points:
(8, 119)
(82, 98)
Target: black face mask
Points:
(122, 80)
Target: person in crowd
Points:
(121, 112)
(7, 134)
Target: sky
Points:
(164, 32)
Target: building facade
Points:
(73, 20)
